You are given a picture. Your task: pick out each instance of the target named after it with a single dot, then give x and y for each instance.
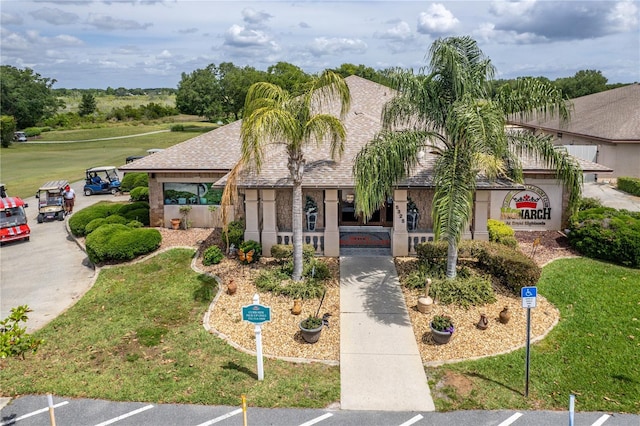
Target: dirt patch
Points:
(462, 385)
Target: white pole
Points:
(572, 399)
(258, 330)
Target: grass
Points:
(131, 338)
(592, 353)
(25, 167)
(105, 103)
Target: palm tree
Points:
(449, 112)
(273, 117)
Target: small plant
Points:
(184, 211)
(411, 206)
(212, 256)
(442, 323)
(312, 322)
(14, 341)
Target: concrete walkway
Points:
(380, 366)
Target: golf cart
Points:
(13, 219)
(101, 180)
(51, 200)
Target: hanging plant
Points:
(310, 205)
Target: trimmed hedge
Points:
(139, 193)
(134, 180)
(608, 234)
(509, 266)
(118, 243)
(630, 185)
(138, 211)
(500, 232)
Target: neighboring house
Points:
(193, 173)
(604, 128)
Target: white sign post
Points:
(528, 295)
(258, 315)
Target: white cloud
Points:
(437, 20)
(401, 31)
(331, 46)
(487, 32)
(624, 16)
(110, 23)
(240, 36)
(55, 16)
(255, 18)
(10, 19)
(512, 8)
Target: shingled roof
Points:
(611, 116)
(219, 150)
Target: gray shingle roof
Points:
(219, 149)
(612, 115)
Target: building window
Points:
(191, 193)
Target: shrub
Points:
(177, 128)
(212, 256)
(234, 233)
(94, 224)
(116, 218)
(278, 282)
(630, 185)
(117, 243)
(608, 234)
(509, 266)
(465, 291)
(587, 203)
(285, 251)
(500, 232)
(80, 219)
(135, 224)
(14, 340)
(138, 210)
(139, 193)
(247, 246)
(134, 180)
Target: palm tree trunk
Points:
(452, 258)
(297, 231)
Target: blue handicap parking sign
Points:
(529, 292)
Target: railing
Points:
(316, 239)
(416, 238)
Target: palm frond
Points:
(531, 97)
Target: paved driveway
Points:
(610, 196)
(50, 272)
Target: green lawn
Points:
(25, 167)
(136, 338)
(593, 353)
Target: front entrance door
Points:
(348, 217)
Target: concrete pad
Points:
(360, 335)
(384, 383)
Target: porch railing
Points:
(416, 238)
(316, 239)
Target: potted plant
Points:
(441, 329)
(310, 328)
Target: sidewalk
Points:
(380, 366)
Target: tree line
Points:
(216, 92)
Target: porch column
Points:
(252, 224)
(481, 216)
(331, 230)
(269, 224)
(400, 245)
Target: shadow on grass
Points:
(233, 366)
(487, 379)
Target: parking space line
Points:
(601, 420)
(124, 416)
(412, 420)
(317, 419)
(33, 413)
(511, 419)
(221, 418)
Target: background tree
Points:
(27, 96)
(448, 112)
(584, 82)
(234, 85)
(272, 116)
(289, 77)
(88, 104)
(199, 93)
(7, 127)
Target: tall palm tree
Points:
(450, 113)
(273, 117)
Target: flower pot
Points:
(297, 307)
(310, 335)
(232, 287)
(175, 223)
(440, 337)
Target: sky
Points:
(151, 43)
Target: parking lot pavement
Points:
(610, 196)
